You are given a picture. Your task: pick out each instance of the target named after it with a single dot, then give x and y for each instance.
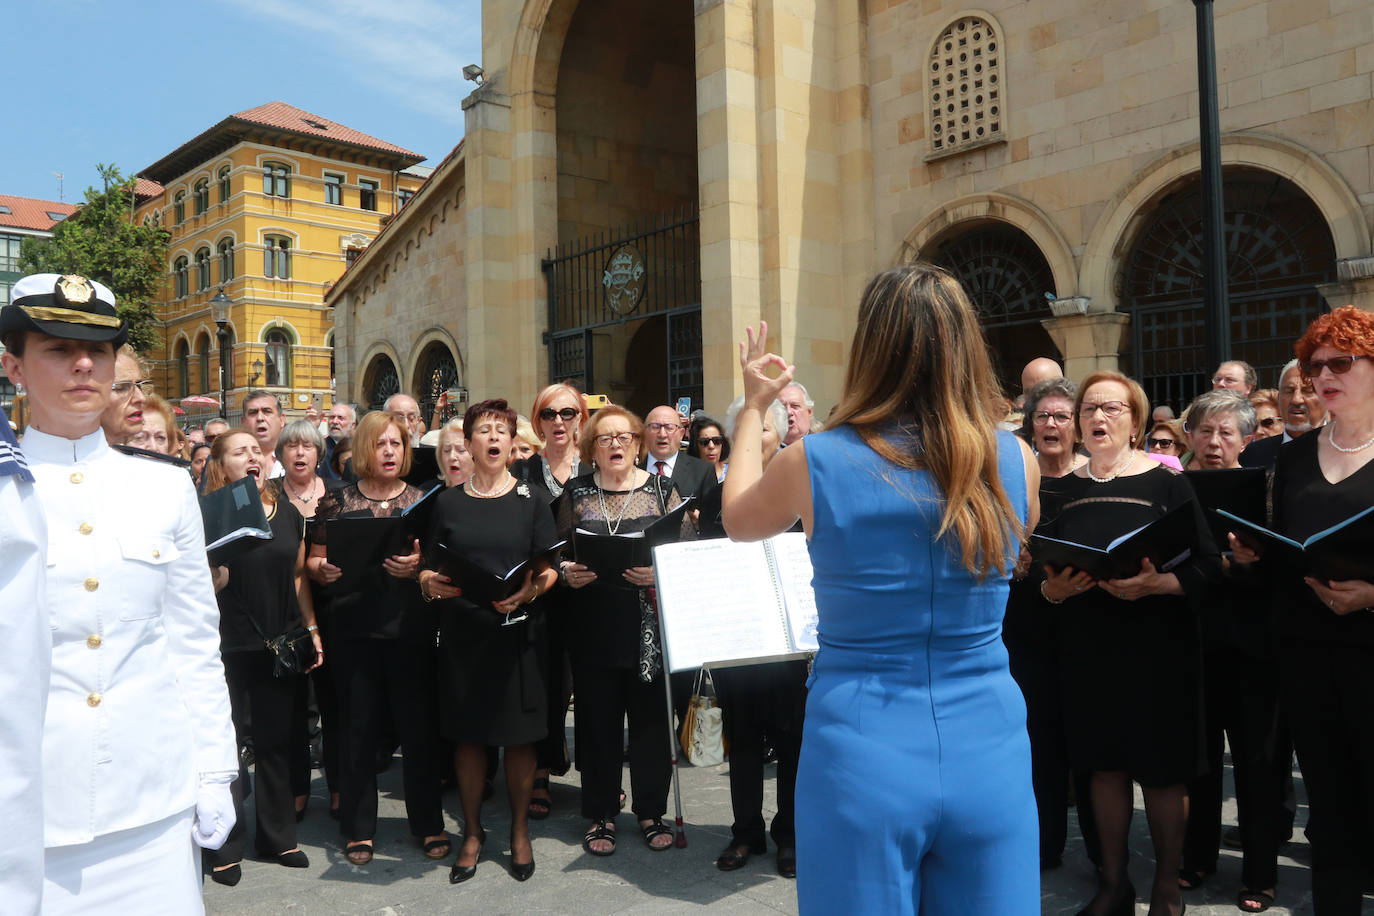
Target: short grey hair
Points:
(386, 405)
(352, 411)
(1288, 366)
(806, 395)
(258, 394)
(777, 413)
(1222, 401)
(1049, 388)
(300, 431)
(1251, 376)
(453, 425)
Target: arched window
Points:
(278, 359)
(201, 196)
(964, 88)
(183, 369)
(276, 257)
(226, 358)
(179, 206)
(202, 269)
(226, 260)
(179, 269)
(380, 381)
(203, 351)
(276, 179)
(223, 184)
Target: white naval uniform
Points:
(25, 652)
(137, 705)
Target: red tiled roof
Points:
(289, 117)
(31, 213)
(146, 189)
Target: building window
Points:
(203, 351)
(226, 359)
(276, 179)
(179, 269)
(202, 269)
(403, 197)
(183, 369)
(367, 193)
(226, 260)
(179, 205)
(333, 188)
(201, 196)
(964, 91)
(351, 254)
(278, 359)
(9, 254)
(224, 184)
(276, 257)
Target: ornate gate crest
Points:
(623, 279)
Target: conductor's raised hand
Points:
(404, 565)
(760, 389)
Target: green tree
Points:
(100, 241)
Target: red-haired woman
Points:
(1326, 629)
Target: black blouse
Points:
(262, 586)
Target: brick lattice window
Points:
(965, 86)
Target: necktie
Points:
(662, 468)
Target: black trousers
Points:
(605, 698)
(1329, 695)
(551, 751)
(1241, 699)
(751, 722)
(272, 700)
(379, 680)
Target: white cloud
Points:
(413, 50)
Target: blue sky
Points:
(127, 81)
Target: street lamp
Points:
(219, 311)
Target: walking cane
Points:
(681, 839)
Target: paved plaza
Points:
(401, 881)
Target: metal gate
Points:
(1278, 248)
(611, 278)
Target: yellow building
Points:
(270, 205)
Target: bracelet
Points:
(536, 591)
(313, 628)
(1046, 595)
(419, 583)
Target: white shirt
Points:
(652, 465)
(137, 704)
(25, 656)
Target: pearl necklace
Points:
(494, 491)
(1331, 441)
(1115, 473)
(601, 500)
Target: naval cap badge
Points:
(73, 289)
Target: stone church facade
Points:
(640, 181)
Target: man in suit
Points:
(663, 430)
(1301, 411)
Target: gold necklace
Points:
(384, 503)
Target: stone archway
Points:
(380, 380)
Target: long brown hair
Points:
(215, 477)
(919, 364)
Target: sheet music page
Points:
(717, 603)
(794, 569)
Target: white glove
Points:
(214, 811)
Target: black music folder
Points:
(424, 467)
(1342, 552)
(1167, 541)
(359, 544)
(1237, 490)
(609, 555)
(234, 521)
(480, 585)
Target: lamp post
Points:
(219, 311)
(1216, 310)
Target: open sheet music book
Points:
(1339, 553)
(358, 544)
(1167, 541)
(761, 606)
(609, 555)
(235, 522)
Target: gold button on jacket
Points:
(92, 584)
(94, 640)
(93, 700)
(77, 477)
(86, 528)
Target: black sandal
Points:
(1191, 880)
(653, 830)
(438, 849)
(359, 852)
(539, 808)
(1248, 901)
(600, 830)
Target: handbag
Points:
(703, 728)
(292, 652)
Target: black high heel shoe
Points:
(1124, 906)
(521, 871)
(460, 873)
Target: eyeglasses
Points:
(1161, 443)
(622, 439)
(567, 414)
(126, 388)
(1110, 409)
(1339, 365)
(1270, 422)
(1042, 417)
(660, 427)
(706, 441)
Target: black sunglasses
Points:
(567, 413)
(1339, 365)
(1161, 443)
(1270, 422)
(704, 441)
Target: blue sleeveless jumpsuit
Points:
(914, 788)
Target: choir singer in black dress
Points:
(492, 654)
(1326, 629)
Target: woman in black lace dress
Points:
(616, 656)
(382, 640)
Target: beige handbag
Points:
(703, 729)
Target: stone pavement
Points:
(401, 881)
